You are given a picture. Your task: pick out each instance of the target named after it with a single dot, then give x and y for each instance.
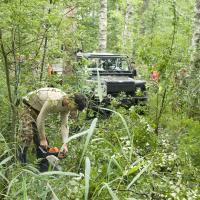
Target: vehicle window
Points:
(124, 64)
(108, 63)
(117, 64)
(93, 63)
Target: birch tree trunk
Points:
(127, 22)
(196, 38)
(103, 26)
(70, 43)
(194, 80)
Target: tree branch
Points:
(6, 65)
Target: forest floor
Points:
(120, 157)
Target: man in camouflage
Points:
(37, 105)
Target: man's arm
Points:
(41, 123)
(64, 126)
(64, 133)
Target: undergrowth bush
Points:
(190, 141)
(128, 160)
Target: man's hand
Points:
(44, 143)
(74, 114)
(63, 151)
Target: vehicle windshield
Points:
(119, 63)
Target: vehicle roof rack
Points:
(100, 55)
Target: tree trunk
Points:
(194, 80)
(103, 26)
(6, 65)
(45, 45)
(196, 38)
(127, 22)
(145, 6)
(7, 73)
(70, 45)
(44, 56)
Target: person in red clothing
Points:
(155, 75)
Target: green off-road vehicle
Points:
(116, 76)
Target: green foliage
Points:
(189, 141)
(4, 111)
(124, 156)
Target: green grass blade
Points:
(99, 88)
(109, 168)
(126, 127)
(12, 182)
(134, 169)
(87, 176)
(2, 138)
(112, 194)
(33, 169)
(24, 189)
(138, 175)
(53, 193)
(90, 132)
(118, 165)
(122, 119)
(4, 178)
(5, 160)
(113, 160)
(109, 143)
(51, 173)
(135, 166)
(76, 136)
(30, 172)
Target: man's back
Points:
(37, 98)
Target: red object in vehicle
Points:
(155, 75)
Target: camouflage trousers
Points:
(28, 126)
(29, 134)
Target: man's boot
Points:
(22, 154)
(43, 163)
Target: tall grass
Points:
(127, 130)
(53, 193)
(87, 176)
(24, 189)
(112, 194)
(99, 87)
(138, 175)
(90, 132)
(113, 161)
(5, 160)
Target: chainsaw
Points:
(50, 151)
(50, 155)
